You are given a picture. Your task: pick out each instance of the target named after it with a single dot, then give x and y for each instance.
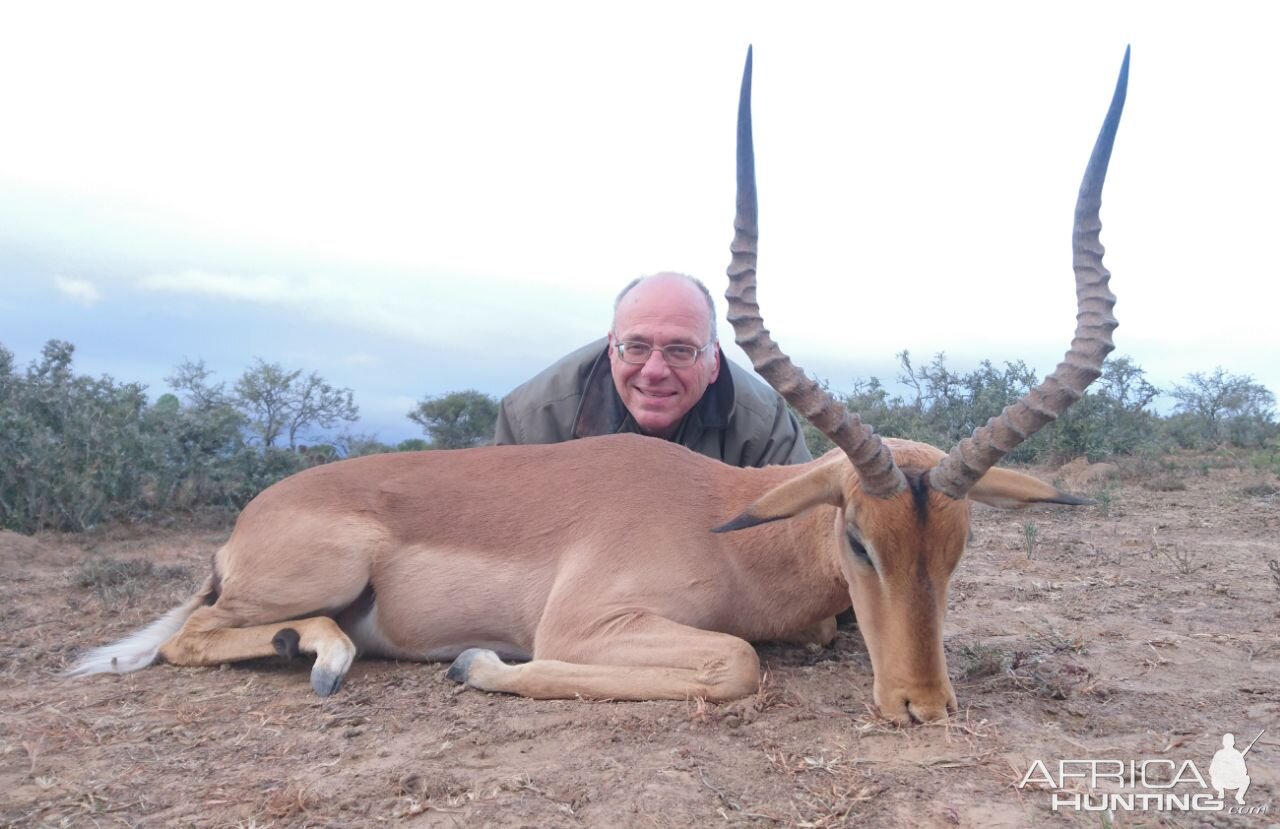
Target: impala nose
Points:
(923, 706)
(923, 712)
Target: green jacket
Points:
(739, 420)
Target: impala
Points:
(625, 567)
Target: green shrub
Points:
(1111, 419)
(78, 451)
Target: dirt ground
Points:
(1143, 627)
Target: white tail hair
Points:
(140, 648)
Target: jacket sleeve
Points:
(505, 433)
(786, 444)
(774, 439)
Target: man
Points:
(660, 372)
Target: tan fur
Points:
(596, 560)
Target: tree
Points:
(8, 378)
(1227, 407)
(317, 403)
(948, 405)
(264, 391)
(350, 445)
(457, 420)
(1125, 384)
(1221, 395)
(191, 379)
(284, 403)
(198, 442)
(1111, 419)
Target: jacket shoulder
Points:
(753, 397)
(763, 430)
(541, 409)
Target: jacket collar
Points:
(601, 412)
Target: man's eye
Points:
(681, 352)
(637, 349)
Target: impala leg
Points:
(635, 657)
(820, 635)
(213, 636)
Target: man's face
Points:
(662, 311)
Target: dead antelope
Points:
(595, 563)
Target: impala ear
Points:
(1006, 489)
(820, 485)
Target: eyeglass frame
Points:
(620, 345)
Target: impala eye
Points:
(859, 550)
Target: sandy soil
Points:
(1144, 627)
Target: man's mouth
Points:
(656, 394)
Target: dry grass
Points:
(1179, 555)
(125, 580)
(1165, 483)
(978, 661)
(1260, 489)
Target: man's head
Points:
(663, 310)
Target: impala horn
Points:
(973, 456)
(877, 472)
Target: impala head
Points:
(902, 507)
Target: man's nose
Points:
(656, 365)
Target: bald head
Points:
(659, 311)
(675, 290)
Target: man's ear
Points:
(715, 355)
(821, 485)
(1006, 489)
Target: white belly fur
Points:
(370, 641)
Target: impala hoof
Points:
(461, 665)
(333, 660)
(325, 682)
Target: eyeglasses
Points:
(677, 356)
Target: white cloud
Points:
(80, 291)
(264, 289)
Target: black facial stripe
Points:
(919, 495)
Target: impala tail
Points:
(140, 648)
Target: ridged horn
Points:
(973, 456)
(878, 474)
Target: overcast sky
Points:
(418, 198)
